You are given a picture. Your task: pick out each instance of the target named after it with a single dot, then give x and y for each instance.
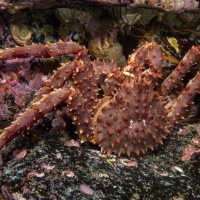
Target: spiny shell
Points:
(131, 122)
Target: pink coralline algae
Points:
(18, 154)
(9, 77)
(48, 167)
(18, 64)
(5, 90)
(67, 173)
(86, 189)
(19, 80)
(190, 4)
(188, 152)
(11, 71)
(129, 163)
(4, 110)
(39, 175)
(21, 90)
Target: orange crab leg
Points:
(41, 50)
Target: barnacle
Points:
(67, 15)
(21, 34)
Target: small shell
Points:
(72, 143)
(48, 167)
(86, 189)
(39, 175)
(18, 154)
(67, 173)
(21, 34)
(129, 163)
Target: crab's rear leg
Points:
(180, 106)
(179, 72)
(184, 100)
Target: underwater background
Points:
(49, 161)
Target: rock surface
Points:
(50, 169)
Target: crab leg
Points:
(57, 80)
(150, 53)
(182, 68)
(41, 50)
(46, 99)
(35, 112)
(184, 100)
(85, 101)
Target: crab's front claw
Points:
(33, 113)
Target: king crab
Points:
(131, 117)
